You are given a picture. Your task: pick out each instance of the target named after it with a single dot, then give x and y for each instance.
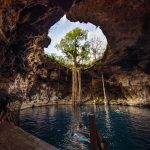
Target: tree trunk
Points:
(79, 86)
(76, 86)
(73, 100)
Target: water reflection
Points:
(107, 118)
(129, 128)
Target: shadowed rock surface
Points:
(14, 138)
(26, 71)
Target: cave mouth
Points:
(95, 37)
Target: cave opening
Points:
(77, 47)
(95, 37)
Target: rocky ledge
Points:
(14, 138)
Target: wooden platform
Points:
(14, 138)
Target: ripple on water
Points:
(129, 130)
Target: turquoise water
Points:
(128, 129)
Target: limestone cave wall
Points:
(25, 71)
(28, 74)
(126, 25)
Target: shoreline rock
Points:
(112, 102)
(15, 138)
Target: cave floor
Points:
(14, 138)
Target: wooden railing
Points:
(96, 138)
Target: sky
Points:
(63, 26)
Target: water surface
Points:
(128, 130)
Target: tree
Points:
(96, 48)
(75, 48)
(54, 58)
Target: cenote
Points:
(127, 129)
(92, 55)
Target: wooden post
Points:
(102, 144)
(96, 138)
(93, 135)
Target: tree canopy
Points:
(75, 46)
(78, 51)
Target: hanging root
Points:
(76, 86)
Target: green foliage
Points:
(52, 57)
(75, 47)
(59, 59)
(77, 51)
